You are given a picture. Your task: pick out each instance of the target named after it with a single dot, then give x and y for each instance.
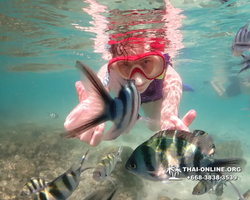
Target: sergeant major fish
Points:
(64, 185)
(34, 186)
(169, 148)
(123, 110)
(205, 186)
(106, 166)
(241, 41)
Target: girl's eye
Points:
(126, 64)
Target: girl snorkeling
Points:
(160, 86)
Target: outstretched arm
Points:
(74, 119)
(172, 92)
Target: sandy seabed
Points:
(30, 150)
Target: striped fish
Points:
(103, 195)
(241, 41)
(64, 185)
(33, 186)
(106, 166)
(173, 148)
(205, 186)
(123, 110)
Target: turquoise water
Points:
(39, 45)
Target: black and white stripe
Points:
(33, 186)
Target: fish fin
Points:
(116, 82)
(100, 106)
(112, 180)
(113, 194)
(83, 162)
(151, 123)
(245, 60)
(246, 193)
(237, 191)
(73, 167)
(111, 134)
(243, 69)
(242, 44)
(118, 154)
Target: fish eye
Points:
(133, 166)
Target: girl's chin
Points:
(142, 88)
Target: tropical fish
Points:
(33, 186)
(123, 110)
(106, 166)
(53, 115)
(167, 148)
(103, 195)
(245, 63)
(204, 186)
(219, 188)
(188, 88)
(241, 41)
(64, 185)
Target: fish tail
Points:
(99, 107)
(231, 162)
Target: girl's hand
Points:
(92, 136)
(185, 122)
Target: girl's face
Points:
(143, 67)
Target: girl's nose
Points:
(139, 79)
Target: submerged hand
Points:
(185, 122)
(92, 136)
